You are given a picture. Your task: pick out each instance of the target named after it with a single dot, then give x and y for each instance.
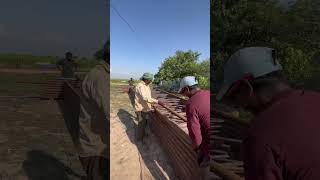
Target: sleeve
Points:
(145, 95)
(102, 93)
(96, 88)
(261, 162)
(193, 125)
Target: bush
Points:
(296, 66)
(180, 65)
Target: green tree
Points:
(179, 65)
(202, 73)
(297, 66)
(183, 64)
(294, 32)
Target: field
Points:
(30, 61)
(122, 81)
(35, 143)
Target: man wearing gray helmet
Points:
(198, 121)
(280, 143)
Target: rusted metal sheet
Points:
(226, 134)
(227, 139)
(170, 127)
(53, 89)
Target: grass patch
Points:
(123, 81)
(31, 61)
(120, 81)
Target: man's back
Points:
(143, 97)
(282, 142)
(68, 68)
(94, 114)
(201, 100)
(198, 107)
(131, 82)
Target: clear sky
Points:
(51, 27)
(159, 28)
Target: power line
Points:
(136, 35)
(131, 28)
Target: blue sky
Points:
(160, 28)
(47, 27)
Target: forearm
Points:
(195, 137)
(194, 127)
(150, 100)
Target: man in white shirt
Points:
(143, 104)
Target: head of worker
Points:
(147, 78)
(188, 86)
(68, 55)
(252, 78)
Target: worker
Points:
(94, 125)
(131, 82)
(282, 140)
(198, 121)
(143, 105)
(131, 92)
(67, 66)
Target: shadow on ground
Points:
(40, 165)
(146, 153)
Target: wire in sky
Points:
(137, 37)
(131, 28)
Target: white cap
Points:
(187, 81)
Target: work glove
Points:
(161, 103)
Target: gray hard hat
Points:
(254, 61)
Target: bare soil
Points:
(35, 143)
(131, 159)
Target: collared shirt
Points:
(143, 99)
(198, 120)
(94, 113)
(283, 139)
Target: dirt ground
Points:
(129, 158)
(34, 141)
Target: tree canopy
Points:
(184, 63)
(293, 31)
